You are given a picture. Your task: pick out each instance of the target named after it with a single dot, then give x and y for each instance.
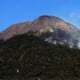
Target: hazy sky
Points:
(14, 11)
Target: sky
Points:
(16, 11)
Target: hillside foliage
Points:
(27, 56)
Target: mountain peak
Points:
(52, 22)
(41, 24)
(48, 18)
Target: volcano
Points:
(49, 28)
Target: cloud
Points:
(74, 17)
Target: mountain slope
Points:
(42, 23)
(56, 31)
(53, 22)
(28, 57)
(15, 29)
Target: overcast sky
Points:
(15, 11)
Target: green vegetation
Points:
(27, 56)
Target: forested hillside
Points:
(26, 57)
